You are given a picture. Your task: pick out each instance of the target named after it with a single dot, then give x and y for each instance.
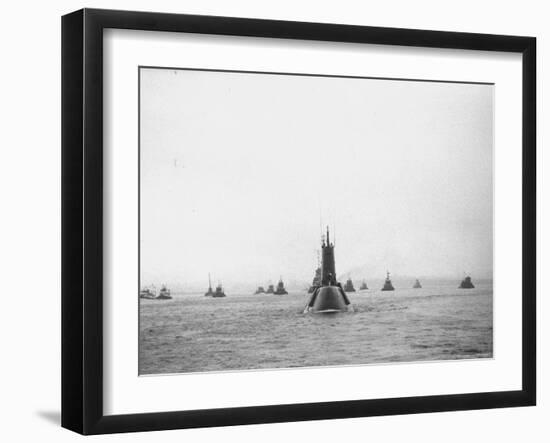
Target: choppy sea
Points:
(193, 333)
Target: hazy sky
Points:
(237, 170)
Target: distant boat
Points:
(363, 286)
(316, 281)
(148, 293)
(260, 290)
(280, 288)
(210, 292)
(164, 293)
(348, 287)
(387, 284)
(270, 289)
(466, 283)
(219, 291)
(417, 285)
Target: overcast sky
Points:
(238, 169)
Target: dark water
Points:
(193, 333)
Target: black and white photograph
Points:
(275, 222)
(300, 220)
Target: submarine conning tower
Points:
(328, 265)
(329, 296)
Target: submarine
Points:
(466, 283)
(210, 292)
(363, 286)
(280, 288)
(348, 287)
(328, 296)
(417, 285)
(387, 284)
(260, 290)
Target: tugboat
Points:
(148, 293)
(270, 289)
(316, 281)
(363, 286)
(417, 285)
(210, 292)
(466, 283)
(280, 288)
(219, 291)
(260, 290)
(348, 287)
(387, 284)
(164, 293)
(328, 297)
(317, 277)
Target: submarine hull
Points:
(327, 299)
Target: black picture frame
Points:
(82, 218)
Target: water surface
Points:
(193, 333)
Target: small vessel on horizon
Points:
(348, 287)
(363, 286)
(466, 283)
(164, 293)
(270, 289)
(317, 277)
(316, 280)
(387, 283)
(417, 285)
(148, 293)
(280, 288)
(219, 291)
(260, 290)
(210, 292)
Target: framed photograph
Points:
(268, 221)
